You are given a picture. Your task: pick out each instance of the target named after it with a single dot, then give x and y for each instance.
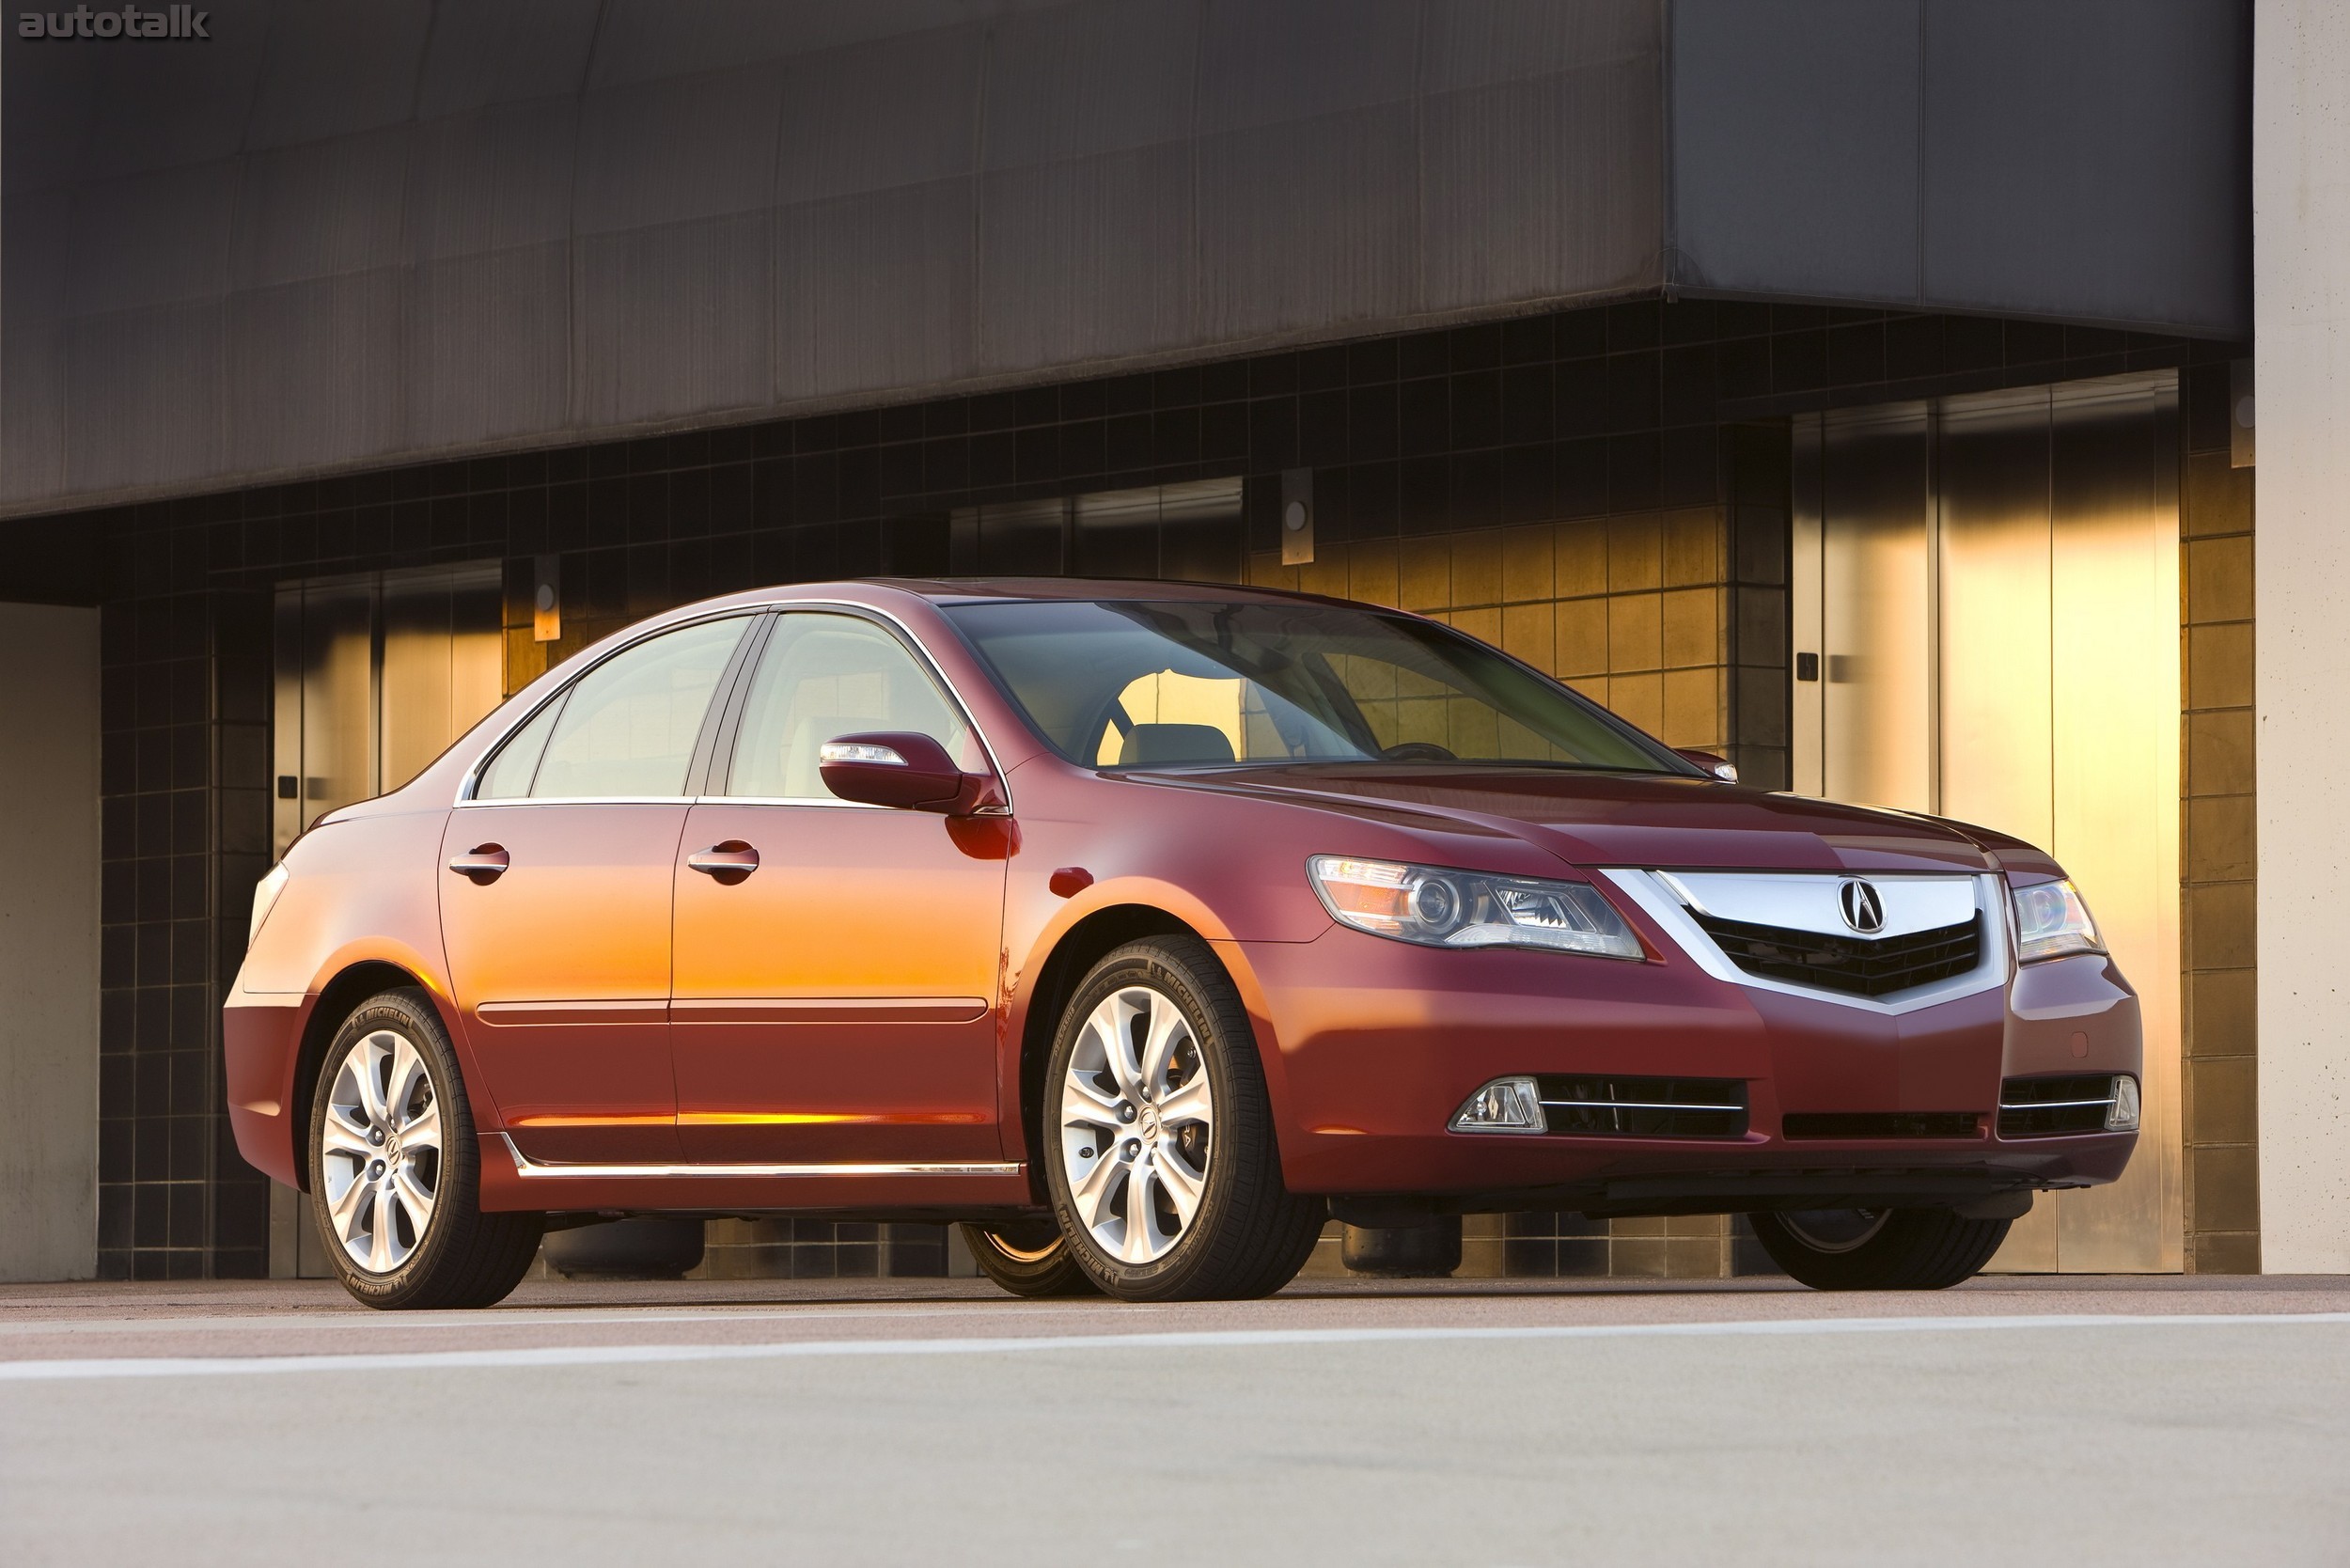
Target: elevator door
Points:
(1991, 586)
(377, 673)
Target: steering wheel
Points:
(1417, 751)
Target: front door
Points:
(556, 902)
(837, 964)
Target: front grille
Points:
(1854, 964)
(1882, 1124)
(1645, 1107)
(2050, 1108)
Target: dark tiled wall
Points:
(1582, 414)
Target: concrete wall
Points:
(48, 942)
(2075, 159)
(2301, 232)
(346, 234)
(343, 232)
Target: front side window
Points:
(627, 728)
(824, 675)
(1141, 683)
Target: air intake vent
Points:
(1645, 1107)
(2050, 1108)
(1859, 1124)
(1853, 964)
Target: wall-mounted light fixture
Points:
(1297, 516)
(546, 598)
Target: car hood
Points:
(1646, 820)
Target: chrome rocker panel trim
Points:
(559, 1169)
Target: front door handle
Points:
(729, 861)
(483, 863)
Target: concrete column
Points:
(2301, 305)
(48, 943)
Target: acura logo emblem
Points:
(1864, 906)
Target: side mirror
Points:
(1720, 767)
(902, 769)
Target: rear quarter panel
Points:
(359, 889)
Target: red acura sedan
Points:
(1140, 928)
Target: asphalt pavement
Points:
(2189, 1421)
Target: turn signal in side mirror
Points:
(902, 769)
(1720, 767)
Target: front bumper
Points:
(1379, 1042)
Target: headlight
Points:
(2052, 921)
(264, 897)
(1439, 908)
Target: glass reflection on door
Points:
(1988, 587)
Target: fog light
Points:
(2121, 1116)
(1503, 1106)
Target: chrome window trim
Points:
(571, 800)
(1654, 892)
(772, 606)
(661, 799)
(829, 802)
(531, 1169)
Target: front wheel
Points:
(1878, 1249)
(396, 1170)
(1158, 1142)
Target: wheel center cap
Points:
(1149, 1126)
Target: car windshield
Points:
(1161, 683)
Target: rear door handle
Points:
(729, 861)
(483, 863)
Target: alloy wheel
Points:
(1136, 1121)
(380, 1146)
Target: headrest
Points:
(1148, 743)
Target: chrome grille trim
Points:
(1662, 897)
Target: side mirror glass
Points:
(1720, 767)
(902, 769)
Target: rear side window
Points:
(510, 775)
(824, 675)
(627, 728)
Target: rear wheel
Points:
(1028, 1258)
(396, 1170)
(1878, 1249)
(1158, 1140)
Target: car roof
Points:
(877, 592)
(969, 590)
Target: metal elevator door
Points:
(376, 674)
(1991, 586)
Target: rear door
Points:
(555, 905)
(837, 964)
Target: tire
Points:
(1028, 1258)
(1120, 1172)
(1878, 1249)
(396, 1170)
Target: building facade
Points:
(360, 361)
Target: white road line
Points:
(364, 1321)
(593, 1356)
